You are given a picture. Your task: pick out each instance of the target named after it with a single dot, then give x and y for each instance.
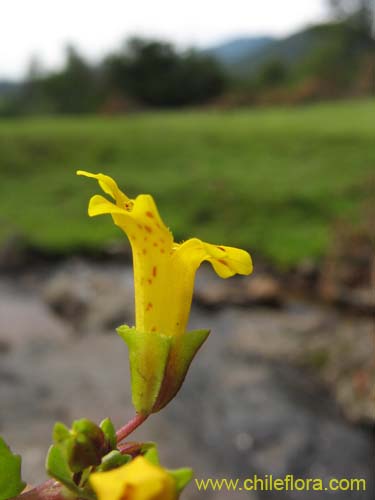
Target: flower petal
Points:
(108, 185)
(137, 480)
(145, 213)
(226, 261)
(99, 205)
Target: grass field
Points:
(273, 180)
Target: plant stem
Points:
(50, 490)
(130, 426)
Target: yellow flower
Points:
(137, 480)
(160, 349)
(164, 271)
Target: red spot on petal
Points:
(162, 250)
(221, 248)
(145, 238)
(148, 229)
(153, 329)
(149, 281)
(139, 226)
(144, 251)
(223, 262)
(150, 214)
(154, 271)
(149, 306)
(155, 244)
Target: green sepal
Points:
(183, 350)
(113, 460)
(158, 365)
(109, 432)
(11, 483)
(182, 477)
(57, 466)
(60, 432)
(148, 356)
(150, 452)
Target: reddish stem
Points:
(50, 490)
(131, 448)
(130, 426)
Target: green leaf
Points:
(57, 467)
(109, 432)
(182, 477)
(113, 460)
(10, 473)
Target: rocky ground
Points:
(281, 387)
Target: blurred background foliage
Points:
(273, 179)
(331, 60)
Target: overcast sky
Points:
(44, 27)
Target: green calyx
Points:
(158, 365)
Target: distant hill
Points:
(7, 88)
(232, 51)
(290, 50)
(246, 56)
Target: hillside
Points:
(290, 51)
(7, 87)
(232, 51)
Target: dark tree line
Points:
(145, 73)
(153, 73)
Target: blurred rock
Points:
(91, 298)
(216, 294)
(263, 290)
(358, 300)
(27, 321)
(258, 387)
(347, 272)
(257, 289)
(109, 311)
(13, 254)
(4, 347)
(304, 277)
(68, 297)
(337, 351)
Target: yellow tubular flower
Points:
(137, 480)
(163, 270)
(164, 274)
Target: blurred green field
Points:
(271, 180)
